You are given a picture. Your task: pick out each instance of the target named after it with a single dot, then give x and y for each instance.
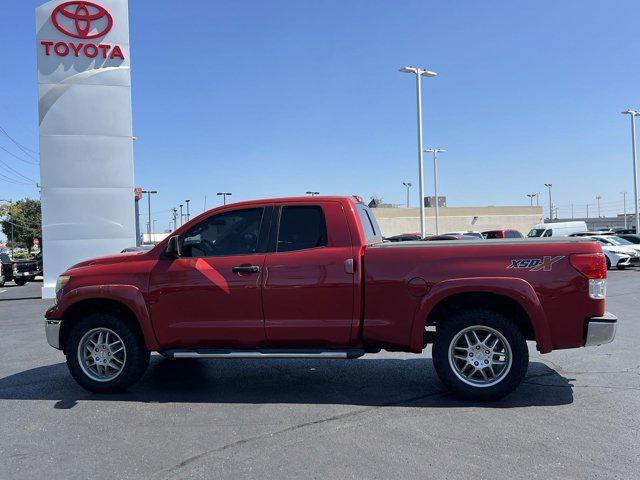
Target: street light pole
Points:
(149, 193)
(435, 152)
(549, 185)
(624, 203)
(531, 196)
(419, 72)
(408, 185)
(175, 218)
(632, 114)
(181, 217)
(598, 201)
(587, 210)
(224, 196)
(187, 202)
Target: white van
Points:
(558, 229)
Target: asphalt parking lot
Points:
(382, 416)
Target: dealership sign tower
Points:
(86, 150)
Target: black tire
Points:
(20, 281)
(31, 279)
(621, 267)
(136, 359)
(446, 333)
(608, 263)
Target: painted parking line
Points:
(2, 291)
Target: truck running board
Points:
(269, 353)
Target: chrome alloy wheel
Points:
(101, 354)
(480, 356)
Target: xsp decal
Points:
(535, 264)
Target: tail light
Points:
(500, 235)
(594, 267)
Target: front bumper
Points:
(601, 330)
(52, 329)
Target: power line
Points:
(17, 172)
(24, 149)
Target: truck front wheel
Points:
(20, 281)
(105, 354)
(480, 354)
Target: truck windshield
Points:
(536, 232)
(369, 224)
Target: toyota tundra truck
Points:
(311, 278)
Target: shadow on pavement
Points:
(368, 381)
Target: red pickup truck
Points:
(311, 277)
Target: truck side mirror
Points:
(173, 247)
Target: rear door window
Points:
(369, 223)
(301, 228)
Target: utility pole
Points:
(624, 202)
(549, 185)
(224, 196)
(408, 185)
(419, 73)
(313, 194)
(531, 196)
(598, 197)
(632, 114)
(435, 152)
(149, 193)
(187, 202)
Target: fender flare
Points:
(127, 295)
(516, 289)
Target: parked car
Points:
(468, 233)
(404, 237)
(507, 233)
(630, 237)
(618, 255)
(137, 249)
(557, 229)
(20, 271)
(590, 233)
(310, 277)
(450, 236)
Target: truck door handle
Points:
(349, 266)
(246, 269)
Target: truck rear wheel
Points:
(480, 354)
(20, 281)
(105, 354)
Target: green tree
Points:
(22, 222)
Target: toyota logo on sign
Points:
(77, 19)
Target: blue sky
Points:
(280, 97)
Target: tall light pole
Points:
(632, 114)
(224, 196)
(435, 152)
(549, 185)
(587, 210)
(313, 194)
(419, 72)
(537, 199)
(181, 215)
(598, 197)
(531, 197)
(408, 185)
(187, 202)
(175, 217)
(149, 193)
(624, 203)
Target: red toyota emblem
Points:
(80, 18)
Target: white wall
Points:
(86, 151)
(394, 221)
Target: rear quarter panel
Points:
(404, 282)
